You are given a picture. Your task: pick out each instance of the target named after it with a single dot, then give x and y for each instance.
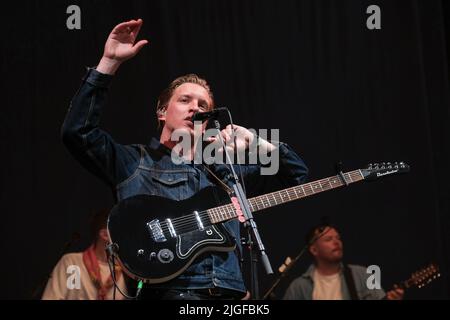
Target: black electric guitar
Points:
(158, 238)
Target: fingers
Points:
(225, 133)
(247, 296)
(138, 46)
(398, 290)
(396, 294)
(128, 26)
(132, 28)
(137, 28)
(239, 138)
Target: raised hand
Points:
(121, 46)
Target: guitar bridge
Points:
(156, 231)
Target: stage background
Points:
(336, 90)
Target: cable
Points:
(235, 150)
(111, 263)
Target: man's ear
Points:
(103, 234)
(313, 250)
(162, 115)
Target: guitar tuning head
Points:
(381, 169)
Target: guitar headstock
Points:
(378, 170)
(423, 276)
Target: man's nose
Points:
(194, 106)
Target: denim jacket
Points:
(302, 288)
(137, 169)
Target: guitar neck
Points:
(228, 212)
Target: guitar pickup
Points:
(173, 234)
(199, 221)
(156, 231)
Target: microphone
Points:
(203, 116)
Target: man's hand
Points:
(395, 294)
(121, 46)
(247, 296)
(242, 137)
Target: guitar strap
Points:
(220, 182)
(348, 276)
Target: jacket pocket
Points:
(171, 184)
(169, 178)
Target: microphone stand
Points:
(283, 274)
(250, 223)
(288, 265)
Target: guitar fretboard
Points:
(228, 212)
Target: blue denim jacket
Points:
(302, 287)
(137, 169)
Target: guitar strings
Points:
(257, 202)
(189, 222)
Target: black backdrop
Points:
(336, 90)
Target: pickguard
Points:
(188, 242)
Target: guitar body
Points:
(150, 249)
